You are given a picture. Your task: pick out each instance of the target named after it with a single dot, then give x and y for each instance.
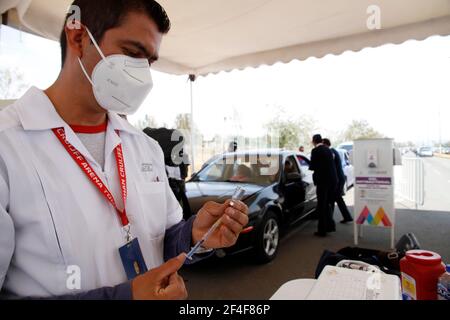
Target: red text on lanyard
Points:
(94, 178)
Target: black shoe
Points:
(346, 221)
(320, 234)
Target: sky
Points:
(401, 90)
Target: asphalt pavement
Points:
(437, 184)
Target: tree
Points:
(292, 133)
(148, 122)
(12, 84)
(361, 129)
(183, 122)
(288, 132)
(407, 144)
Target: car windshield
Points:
(250, 169)
(346, 147)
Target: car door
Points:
(293, 189)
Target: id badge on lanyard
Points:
(131, 254)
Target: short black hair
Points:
(327, 142)
(317, 138)
(101, 15)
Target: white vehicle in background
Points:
(425, 152)
(348, 169)
(347, 146)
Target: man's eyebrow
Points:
(141, 47)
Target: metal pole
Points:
(192, 78)
(440, 129)
(393, 235)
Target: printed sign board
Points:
(374, 184)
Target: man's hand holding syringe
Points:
(234, 219)
(216, 226)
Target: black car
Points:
(279, 192)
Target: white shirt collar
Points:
(36, 112)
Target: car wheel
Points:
(267, 239)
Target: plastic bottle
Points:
(444, 285)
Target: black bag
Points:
(406, 243)
(387, 261)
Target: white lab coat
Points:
(51, 215)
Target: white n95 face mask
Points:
(120, 83)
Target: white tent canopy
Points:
(210, 36)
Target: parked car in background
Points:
(348, 168)
(279, 192)
(425, 152)
(347, 146)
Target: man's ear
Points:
(75, 40)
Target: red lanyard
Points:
(95, 179)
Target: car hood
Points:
(200, 192)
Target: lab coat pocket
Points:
(152, 199)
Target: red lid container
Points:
(420, 273)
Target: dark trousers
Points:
(341, 203)
(325, 198)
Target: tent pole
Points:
(192, 78)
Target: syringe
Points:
(237, 196)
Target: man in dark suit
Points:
(326, 180)
(341, 183)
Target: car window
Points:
(213, 172)
(290, 166)
(260, 170)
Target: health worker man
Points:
(86, 211)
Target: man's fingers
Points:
(176, 289)
(175, 280)
(232, 224)
(215, 209)
(238, 216)
(238, 205)
(229, 237)
(172, 266)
